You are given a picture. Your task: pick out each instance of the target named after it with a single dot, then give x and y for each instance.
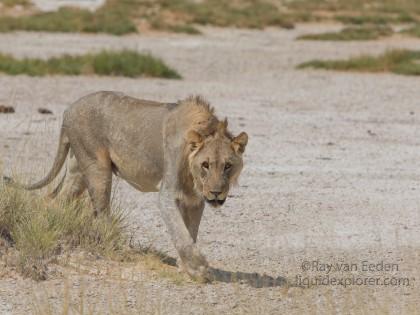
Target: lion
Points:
(180, 149)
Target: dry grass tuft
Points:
(39, 232)
(40, 229)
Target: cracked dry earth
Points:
(332, 176)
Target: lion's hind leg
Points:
(73, 184)
(97, 173)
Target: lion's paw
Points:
(194, 264)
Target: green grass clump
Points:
(352, 33)
(64, 20)
(404, 62)
(72, 20)
(12, 3)
(40, 229)
(124, 63)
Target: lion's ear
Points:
(239, 143)
(194, 140)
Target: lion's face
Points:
(215, 164)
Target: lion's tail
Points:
(60, 158)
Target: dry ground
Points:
(332, 172)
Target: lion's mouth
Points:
(215, 202)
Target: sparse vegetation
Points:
(120, 17)
(124, 63)
(372, 17)
(396, 61)
(352, 33)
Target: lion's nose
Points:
(216, 193)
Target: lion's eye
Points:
(228, 166)
(205, 165)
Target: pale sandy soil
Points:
(332, 172)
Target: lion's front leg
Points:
(192, 261)
(192, 216)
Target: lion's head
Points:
(215, 162)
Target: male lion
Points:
(181, 150)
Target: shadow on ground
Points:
(255, 280)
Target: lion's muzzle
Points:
(215, 202)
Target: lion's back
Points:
(107, 110)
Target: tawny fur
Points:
(182, 150)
